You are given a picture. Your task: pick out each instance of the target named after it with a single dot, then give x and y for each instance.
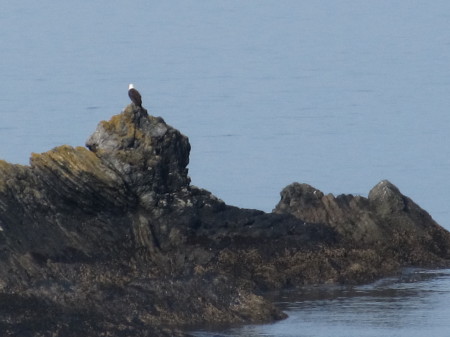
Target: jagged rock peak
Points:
(387, 197)
(298, 197)
(150, 155)
(386, 212)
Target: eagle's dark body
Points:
(135, 96)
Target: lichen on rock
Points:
(151, 156)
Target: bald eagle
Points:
(135, 96)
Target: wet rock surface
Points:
(112, 240)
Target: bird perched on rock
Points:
(135, 96)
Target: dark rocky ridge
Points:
(114, 241)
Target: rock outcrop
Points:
(385, 231)
(112, 240)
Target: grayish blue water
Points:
(415, 305)
(337, 94)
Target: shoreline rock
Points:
(112, 239)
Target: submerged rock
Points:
(113, 240)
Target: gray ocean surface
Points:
(336, 94)
(414, 304)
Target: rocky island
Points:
(111, 239)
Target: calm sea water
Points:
(337, 94)
(414, 305)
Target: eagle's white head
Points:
(130, 86)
